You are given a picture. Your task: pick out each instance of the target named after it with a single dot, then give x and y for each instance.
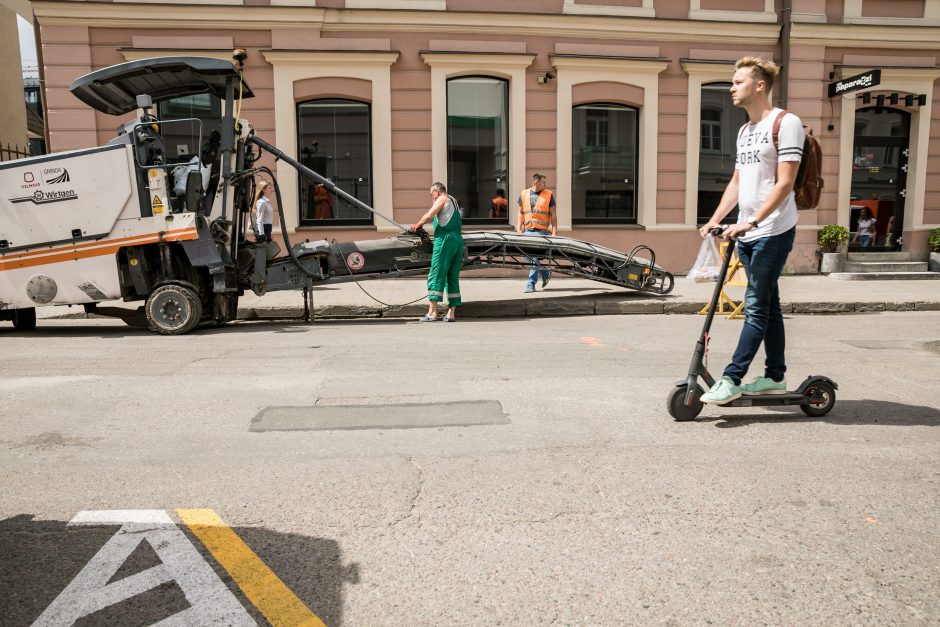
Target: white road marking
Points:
(121, 517)
(212, 603)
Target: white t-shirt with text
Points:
(756, 163)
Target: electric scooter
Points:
(816, 395)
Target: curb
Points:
(534, 308)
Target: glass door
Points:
(879, 175)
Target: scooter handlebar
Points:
(717, 231)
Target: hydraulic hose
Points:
(280, 215)
(327, 183)
(293, 255)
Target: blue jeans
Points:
(763, 261)
(864, 241)
(535, 271)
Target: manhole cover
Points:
(403, 416)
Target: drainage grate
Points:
(404, 416)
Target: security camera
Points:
(240, 54)
(541, 80)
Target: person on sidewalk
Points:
(264, 214)
(499, 206)
(448, 253)
(762, 187)
(865, 233)
(537, 216)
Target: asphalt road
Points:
(573, 498)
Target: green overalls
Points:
(447, 257)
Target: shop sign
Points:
(855, 83)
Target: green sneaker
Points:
(724, 391)
(764, 385)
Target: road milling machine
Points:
(146, 219)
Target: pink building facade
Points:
(623, 104)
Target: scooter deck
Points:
(790, 398)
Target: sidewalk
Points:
(487, 297)
(503, 297)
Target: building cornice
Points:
(257, 17)
(477, 59)
(589, 62)
(898, 73)
(867, 36)
(355, 57)
(575, 26)
(176, 16)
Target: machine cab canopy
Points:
(114, 89)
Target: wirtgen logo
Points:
(40, 197)
(54, 176)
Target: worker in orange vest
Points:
(499, 206)
(322, 207)
(537, 217)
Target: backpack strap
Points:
(776, 132)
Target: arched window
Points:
(720, 123)
(334, 140)
(478, 147)
(603, 164)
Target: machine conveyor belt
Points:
(499, 249)
(410, 254)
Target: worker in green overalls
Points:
(448, 253)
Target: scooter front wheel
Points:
(821, 399)
(676, 406)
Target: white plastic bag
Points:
(708, 263)
(180, 173)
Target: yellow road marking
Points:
(263, 588)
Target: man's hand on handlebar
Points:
(706, 230)
(736, 230)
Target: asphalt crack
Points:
(419, 488)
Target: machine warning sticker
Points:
(355, 261)
(157, 205)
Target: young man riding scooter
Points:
(762, 187)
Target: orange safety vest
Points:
(322, 208)
(539, 217)
(499, 205)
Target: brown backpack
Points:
(808, 185)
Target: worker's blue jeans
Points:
(536, 266)
(763, 261)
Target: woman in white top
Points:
(865, 233)
(262, 218)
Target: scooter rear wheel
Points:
(676, 406)
(822, 399)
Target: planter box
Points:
(933, 264)
(832, 262)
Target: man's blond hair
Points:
(761, 69)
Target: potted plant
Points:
(833, 239)
(934, 242)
